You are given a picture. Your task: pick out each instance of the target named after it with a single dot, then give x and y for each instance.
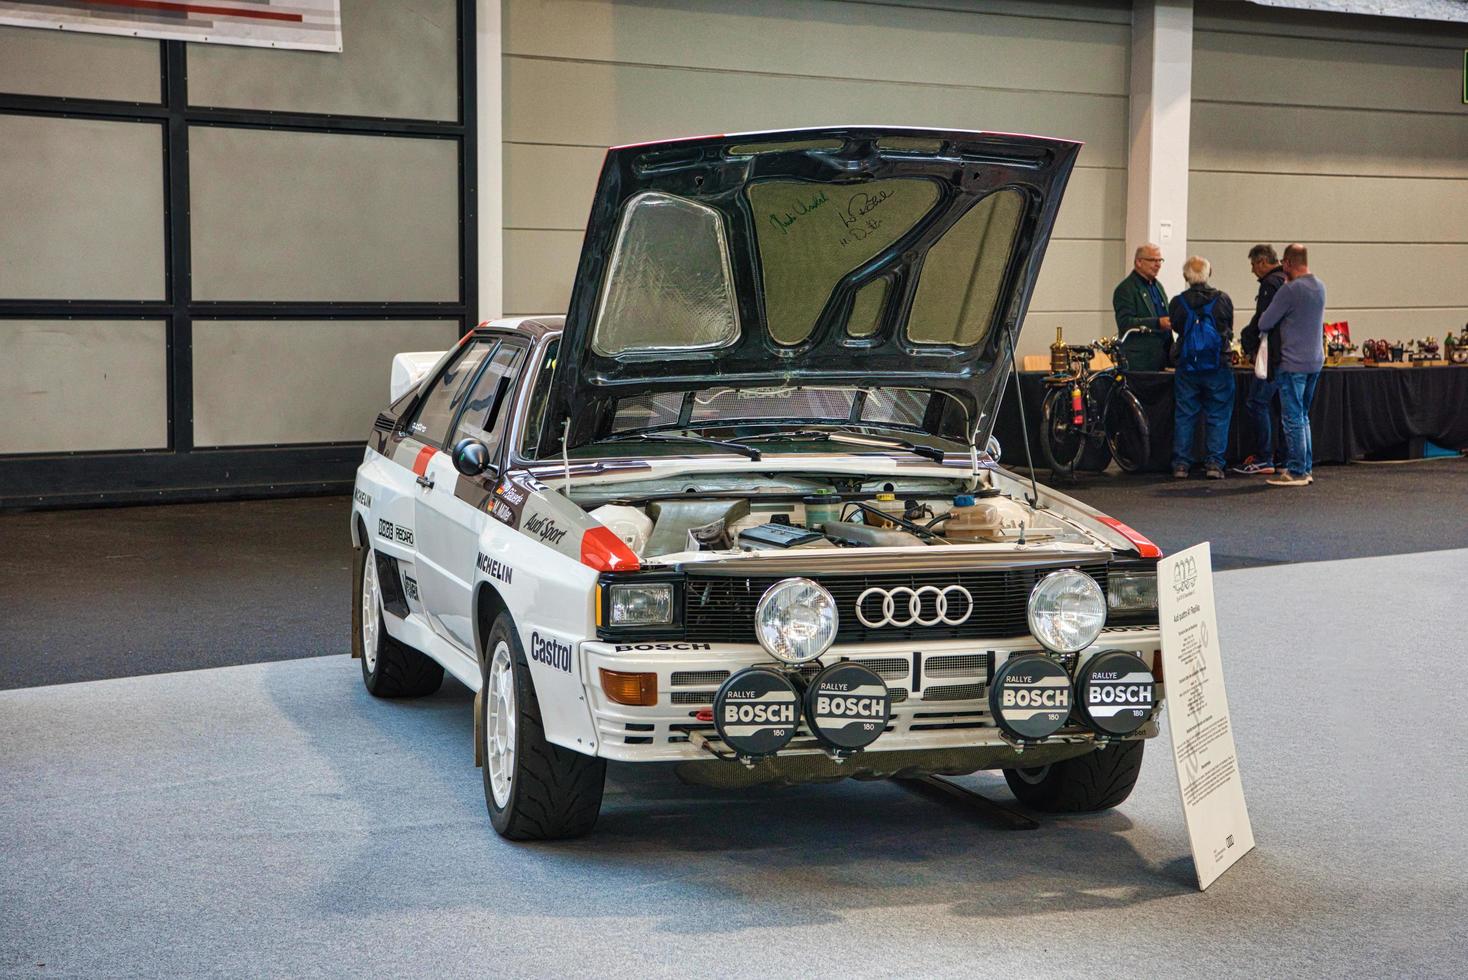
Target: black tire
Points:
(1060, 442)
(391, 669)
(553, 793)
(1097, 454)
(1128, 435)
(1098, 780)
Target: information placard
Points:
(1197, 715)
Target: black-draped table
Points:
(1358, 412)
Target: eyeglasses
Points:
(1146, 259)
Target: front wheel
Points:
(1061, 441)
(1098, 780)
(534, 790)
(1128, 435)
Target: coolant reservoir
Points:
(628, 523)
(887, 503)
(974, 519)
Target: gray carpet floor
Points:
(273, 819)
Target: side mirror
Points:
(993, 448)
(471, 457)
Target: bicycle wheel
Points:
(1127, 433)
(1097, 454)
(1061, 441)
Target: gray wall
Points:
(1348, 134)
(275, 215)
(582, 75)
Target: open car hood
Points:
(874, 257)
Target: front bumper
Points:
(939, 692)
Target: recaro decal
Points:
(394, 532)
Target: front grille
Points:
(693, 678)
(957, 665)
(954, 692)
(717, 609)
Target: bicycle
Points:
(1089, 418)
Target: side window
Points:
(438, 406)
(486, 408)
(539, 398)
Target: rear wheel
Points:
(1098, 780)
(1061, 441)
(390, 669)
(534, 790)
(1128, 435)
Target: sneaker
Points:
(1179, 472)
(1288, 479)
(1254, 465)
(1213, 472)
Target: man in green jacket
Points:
(1140, 302)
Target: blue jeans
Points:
(1211, 395)
(1261, 412)
(1296, 392)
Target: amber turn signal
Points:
(625, 688)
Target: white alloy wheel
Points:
(499, 728)
(371, 600)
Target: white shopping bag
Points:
(1261, 359)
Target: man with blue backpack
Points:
(1203, 319)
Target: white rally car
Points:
(739, 511)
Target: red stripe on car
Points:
(1144, 547)
(602, 550)
(420, 463)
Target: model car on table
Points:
(738, 510)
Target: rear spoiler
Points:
(409, 369)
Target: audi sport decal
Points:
(1031, 696)
(756, 711)
(926, 605)
(546, 529)
(847, 705)
(1115, 692)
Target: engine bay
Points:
(670, 521)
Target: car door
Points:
(452, 508)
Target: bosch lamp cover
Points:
(847, 706)
(1067, 610)
(756, 711)
(1031, 697)
(1116, 691)
(795, 621)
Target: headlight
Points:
(641, 605)
(1067, 610)
(795, 621)
(1131, 591)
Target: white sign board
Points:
(313, 25)
(1197, 715)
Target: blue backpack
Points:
(1202, 344)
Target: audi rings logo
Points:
(926, 605)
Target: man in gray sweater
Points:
(1296, 321)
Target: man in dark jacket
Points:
(1138, 301)
(1271, 276)
(1203, 318)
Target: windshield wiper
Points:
(737, 447)
(854, 439)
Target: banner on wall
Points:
(312, 25)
